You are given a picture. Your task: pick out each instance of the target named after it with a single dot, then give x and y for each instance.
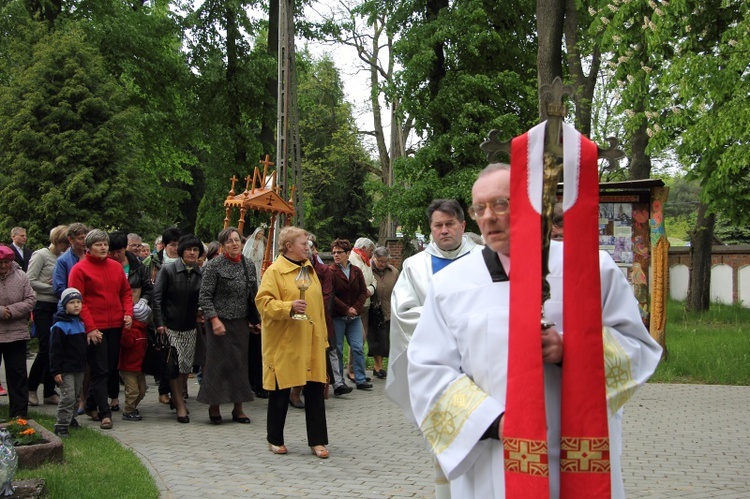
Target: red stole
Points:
(584, 460)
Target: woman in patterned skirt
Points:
(227, 298)
(175, 305)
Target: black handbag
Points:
(157, 351)
(173, 363)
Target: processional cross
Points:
(551, 94)
(583, 418)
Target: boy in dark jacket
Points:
(68, 358)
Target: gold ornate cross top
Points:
(551, 96)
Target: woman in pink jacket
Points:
(17, 299)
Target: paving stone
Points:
(679, 441)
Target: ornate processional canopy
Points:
(262, 193)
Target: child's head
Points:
(72, 301)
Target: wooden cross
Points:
(266, 163)
(248, 179)
(234, 180)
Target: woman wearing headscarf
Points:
(107, 307)
(294, 351)
(175, 303)
(227, 298)
(41, 266)
(17, 299)
(255, 249)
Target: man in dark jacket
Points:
(21, 252)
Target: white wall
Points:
(722, 284)
(743, 286)
(679, 279)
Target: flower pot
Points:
(34, 455)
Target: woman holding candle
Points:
(294, 348)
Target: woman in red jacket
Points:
(107, 307)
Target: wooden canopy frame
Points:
(263, 194)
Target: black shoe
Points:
(131, 416)
(364, 386)
(379, 374)
(183, 419)
(260, 392)
(61, 431)
(75, 424)
(240, 419)
(214, 419)
(114, 408)
(342, 390)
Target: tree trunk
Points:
(699, 292)
(234, 114)
(640, 162)
(550, 17)
(437, 72)
(268, 127)
(584, 84)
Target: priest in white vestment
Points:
(448, 243)
(458, 356)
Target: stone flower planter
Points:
(33, 456)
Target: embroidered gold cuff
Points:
(620, 383)
(445, 420)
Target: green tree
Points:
(334, 161)
(703, 88)
(66, 137)
(228, 54)
(468, 68)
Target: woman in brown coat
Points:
(378, 338)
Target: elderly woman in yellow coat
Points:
(294, 351)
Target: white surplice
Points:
(407, 300)
(458, 369)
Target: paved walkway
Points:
(686, 441)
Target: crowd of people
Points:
(255, 329)
(98, 302)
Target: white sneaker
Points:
(33, 399)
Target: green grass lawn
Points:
(93, 466)
(708, 348)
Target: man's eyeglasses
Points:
(499, 206)
(338, 252)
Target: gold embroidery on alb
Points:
(620, 383)
(444, 422)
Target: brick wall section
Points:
(736, 256)
(396, 250)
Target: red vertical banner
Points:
(584, 451)
(525, 445)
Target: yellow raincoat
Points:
(294, 351)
